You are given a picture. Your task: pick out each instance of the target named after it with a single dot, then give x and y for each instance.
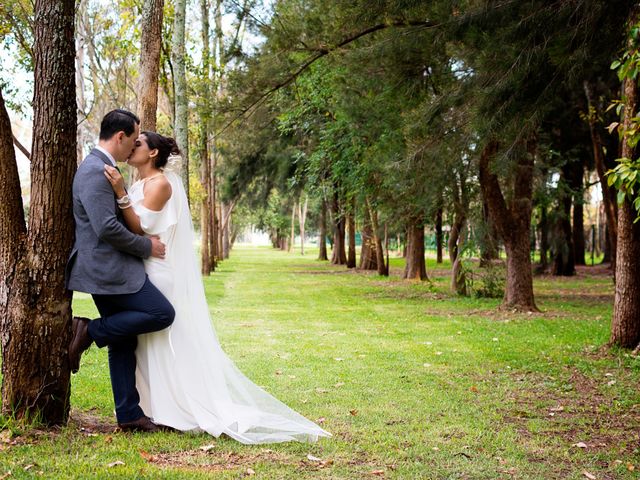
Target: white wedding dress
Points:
(184, 378)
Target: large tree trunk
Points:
(608, 195)
(204, 112)
(151, 42)
(439, 237)
(564, 257)
(368, 249)
(489, 240)
(351, 226)
(415, 266)
(513, 222)
(338, 255)
(35, 307)
(456, 239)
(543, 231)
(383, 268)
(625, 324)
(323, 232)
(178, 59)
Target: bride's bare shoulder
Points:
(157, 192)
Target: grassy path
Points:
(412, 382)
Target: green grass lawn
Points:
(412, 382)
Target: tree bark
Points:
(512, 222)
(35, 307)
(323, 232)
(625, 324)
(489, 240)
(543, 231)
(383, 268)
(439, 236)
(456, 239)
(564, 256)
(415, 266)
(368, 249)
(608, 196)
(151, 42)
(178, 59)
(338, 255)
(351, 225)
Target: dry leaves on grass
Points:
(115, 464)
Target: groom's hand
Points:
(157, 247)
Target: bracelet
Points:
(128, 205)
(122, 200)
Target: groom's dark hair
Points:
(118, 120)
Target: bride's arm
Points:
(117, 183)
(156, 195)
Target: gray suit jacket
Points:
(106, 258)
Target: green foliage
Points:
(624, 177)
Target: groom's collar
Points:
(108, 156)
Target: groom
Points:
(106, 261)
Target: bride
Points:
(184, 378)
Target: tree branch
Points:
(21, 147)
(321, 52)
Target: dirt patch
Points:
(89, 423)
(575, 414)
(211, 459)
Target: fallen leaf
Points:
(608, 374)
(631, 467)
(313, 459)
(474, 389)
(559, 408)
(6, 475)
(580, 445)
(115, 464)
(377, 472)
(207, 448)
(108, 439)
(353, 412)
(251, 471)
(590, 476)
(147, 456)
(29, 467)
(611, 382)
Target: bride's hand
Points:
(116, 180)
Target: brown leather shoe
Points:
(143, 424)
(80, 341)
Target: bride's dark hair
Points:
(166, 146)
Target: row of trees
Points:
(489, 117)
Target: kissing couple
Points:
(134, 254)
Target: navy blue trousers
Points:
(123, 318)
